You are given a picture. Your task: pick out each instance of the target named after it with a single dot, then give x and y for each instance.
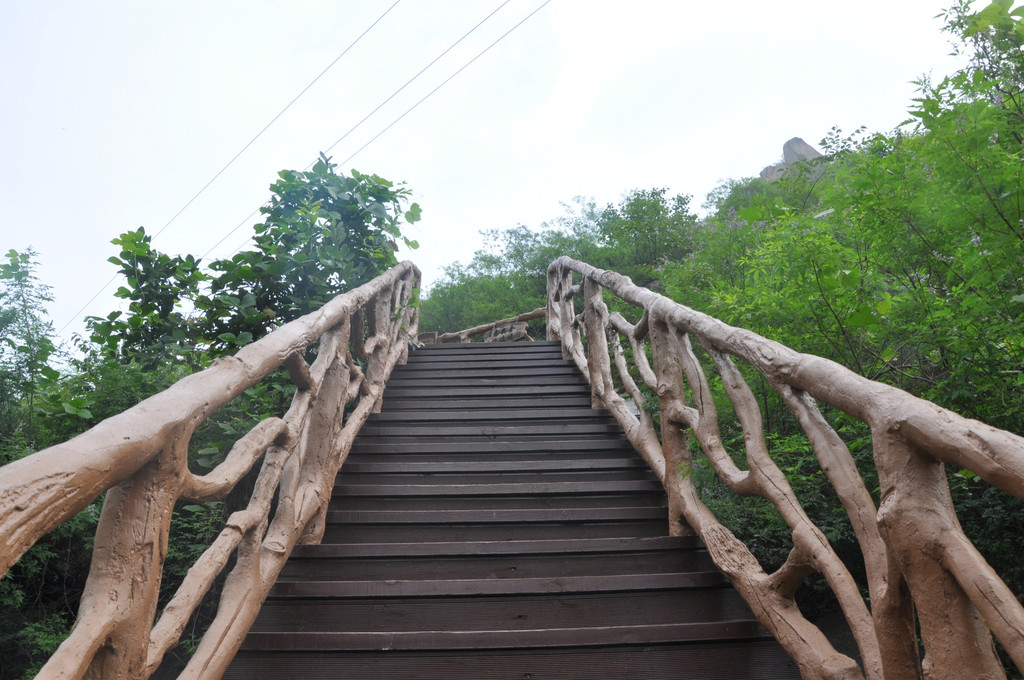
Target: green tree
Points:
(637, 237)
(25, 344)
(322, 233)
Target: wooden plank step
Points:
(319, 566)
(512, 347)
(555, 447)
(454, 587)
(417, 391)
(455, 363)
(581, 546)
(491, 531)
(493, 464)
(487, 429)
(456, 356)
(445, 478)
(567, 447)
(649, 499)
(578, 454)
(581, 400)
(594, 610)
(536, 638)
(465, 363)
(469, 372)
(486, 378)
(488, 518)
(478, 516)
(508, 489)
(525, 414)
(721, 660)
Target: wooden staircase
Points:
(489, 524)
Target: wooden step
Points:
(446, 430)
(523, 413)
(342, 488)
(499, 476)
(470, 366)
(396, 445)
(536, 607)
(489, 524)
(650, 498)
(504, 515)
(517, 348)
(463, 364)
(492, 531)
(720, 660)
(521, 560)
(500, 403)
(363, 464)
(533, 382)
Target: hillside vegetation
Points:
(898, 254)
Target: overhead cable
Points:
(422, 71)
(429, 94)
(378, 108)
(236, 156)
(281, 113)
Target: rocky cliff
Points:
(794, 152)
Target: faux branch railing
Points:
(921, 569)
(139, 458)
(483, 329)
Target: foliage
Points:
(25, 344)
(40, 594)
(157, 286)
(899, 255)
(637, 237)
(322, 233)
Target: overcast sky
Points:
(115, 113)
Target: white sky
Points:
(115, 113)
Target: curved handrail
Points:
(916, 555)
(469, 333)
(139, 458)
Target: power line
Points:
(422, 71)
(281, 113)
(360, 149)
(381, 105)
(429, 94)
(227, 235)
(236, 156)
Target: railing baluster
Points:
(916, 556)
(140, 459)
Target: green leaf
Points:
(412, 215)
(751, 214)
(862, 318)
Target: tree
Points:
(322, 233)
(25, 344)
(637, 237)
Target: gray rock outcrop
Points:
(794, 151)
